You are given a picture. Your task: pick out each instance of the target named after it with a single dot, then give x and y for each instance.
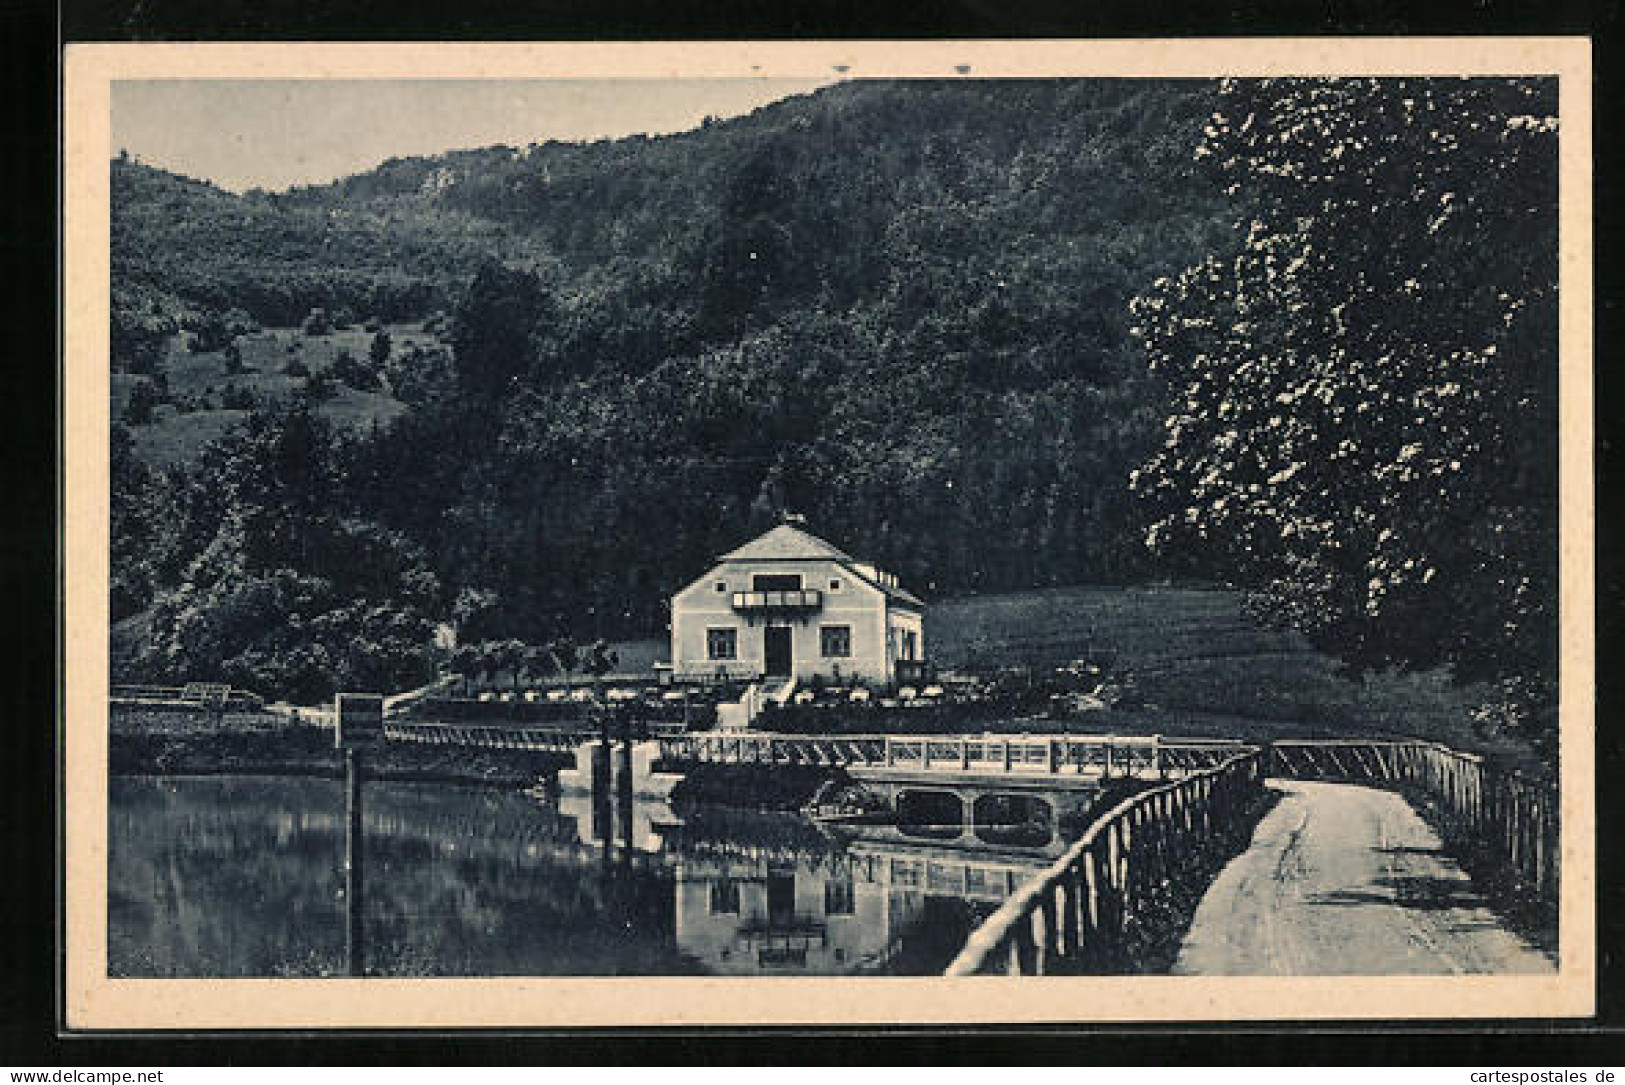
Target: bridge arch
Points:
(933, 813)
(1006, 818)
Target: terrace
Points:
(755, 602)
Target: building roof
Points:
(788, 542)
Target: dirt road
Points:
(1347, 880)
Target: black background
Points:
(31, 36)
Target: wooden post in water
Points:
(354, 932)
(358, 722)
(623, 786)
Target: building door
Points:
(776, 650)
(781, 898)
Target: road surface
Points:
(1347, 880)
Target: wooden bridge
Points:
(1100, 902)
(939, 756)
(1117, 890)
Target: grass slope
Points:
(1197, 664)
(175, 437)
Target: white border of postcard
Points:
(92, 1000)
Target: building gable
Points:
(786, 542)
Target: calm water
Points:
(244, 876)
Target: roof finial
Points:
(796, 518)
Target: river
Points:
(244, 876)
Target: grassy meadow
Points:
(204, 380)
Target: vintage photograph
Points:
(834, 526)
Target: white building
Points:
(790, 604)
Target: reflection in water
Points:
(244, 876)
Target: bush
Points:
(143, 399)
(318, 322)
(296, 368)
(353, 372)
(320, 385)
(237, 398)
(417, 375)
(380, 349)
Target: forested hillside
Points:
(1297, 336)
(898, 308)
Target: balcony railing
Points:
(778, 600)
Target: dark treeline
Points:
(900, 309)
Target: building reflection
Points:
(244, 876)
(776, 894)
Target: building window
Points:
(911, 644)
(835, 641)
(724, 898)
(776, 582)
(722, 643)
(838, 897)
(834, 585)
(722, 585)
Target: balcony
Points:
(759, 602)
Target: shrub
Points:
(237, 398)
(355, 373)
(318, 322)
(143, 399)
(320, 385)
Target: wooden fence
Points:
(1494, 814)
(1081, 914)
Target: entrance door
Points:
(781, 898)
(776, 650)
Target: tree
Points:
(511, 653)
(535, 660)
(318, 322)
(562, 650)
(320, 385)
(493, 340)
(1363, 394)
(144, 398)
(380, 348)
(215, 330)
(465, 664)
(417, 375)
(353, 372)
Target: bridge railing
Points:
(1502, 815)
(1081, 914)
(752, 748)
(491, 738)
(1108, 755)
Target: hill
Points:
(900, 308)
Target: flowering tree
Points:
(1362, 396)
